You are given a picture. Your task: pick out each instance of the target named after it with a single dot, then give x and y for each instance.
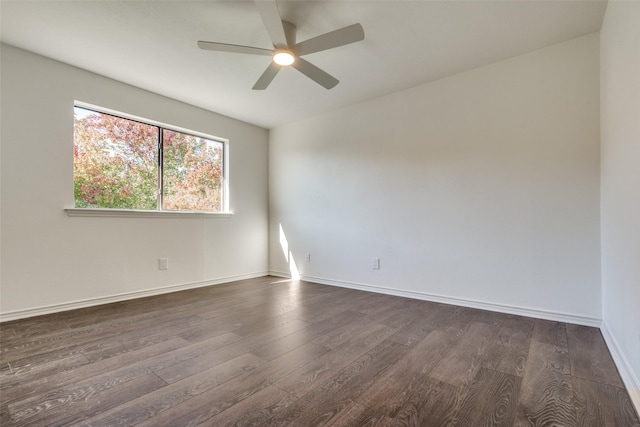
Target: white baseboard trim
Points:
(280, 274)
(629, 377)
(482, 305)
(56, 308)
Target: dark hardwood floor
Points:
(272, 352)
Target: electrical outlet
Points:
(307, 257)
(163, 263)
(375, 263)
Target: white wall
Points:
(49, 258)
(483, 186)
(620, 187)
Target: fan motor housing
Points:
(289, 33)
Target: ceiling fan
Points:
(286, 51)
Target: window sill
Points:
(128, 213)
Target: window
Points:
(120, 163)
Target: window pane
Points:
(115, 162)
(192, 169)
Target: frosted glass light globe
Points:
(283, 57)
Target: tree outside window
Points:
(116, 165)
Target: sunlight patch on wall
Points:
(293, 268)
(284, 244)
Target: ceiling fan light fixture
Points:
(287, 51)
(283, 57)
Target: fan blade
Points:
(350, 34)
(314, 73)
(268, 10)
(235, 48)
(267, 77)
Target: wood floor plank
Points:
(491, 400)
(273, 351)
(433, 403)
(398, 317)
(31, 327)
(79, 389)
(490, 317)
(39, 366)
(147, 406)
(223, 353)
(590, 358)
(77, 339)
(546, 393)
(272, 330)
(156, 308)
(230, 313)
(116, 317)
(324, 402)
(395, 387)
(547, 331)
(455, 320)
(347, 332)
(520, 325)
(322, 311)
(318, 371)
(209, 329)
(113, 377)
(253, 411)
(602, 405)
(508, 352)
(210, 403)
(5, 369)
(50, 384)
(228, 347)
(372, 303)
(351, 416)
(141, 337)
(303, 336)
(416, 329)
(263, 325)
(90, 404)
(463, 359)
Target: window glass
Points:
(192, 172)
(120, 163)
(115, 162)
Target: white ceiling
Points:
(152, 45)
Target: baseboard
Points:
(482, 305)
(280, 274)
(56, 308)
(629, 377)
